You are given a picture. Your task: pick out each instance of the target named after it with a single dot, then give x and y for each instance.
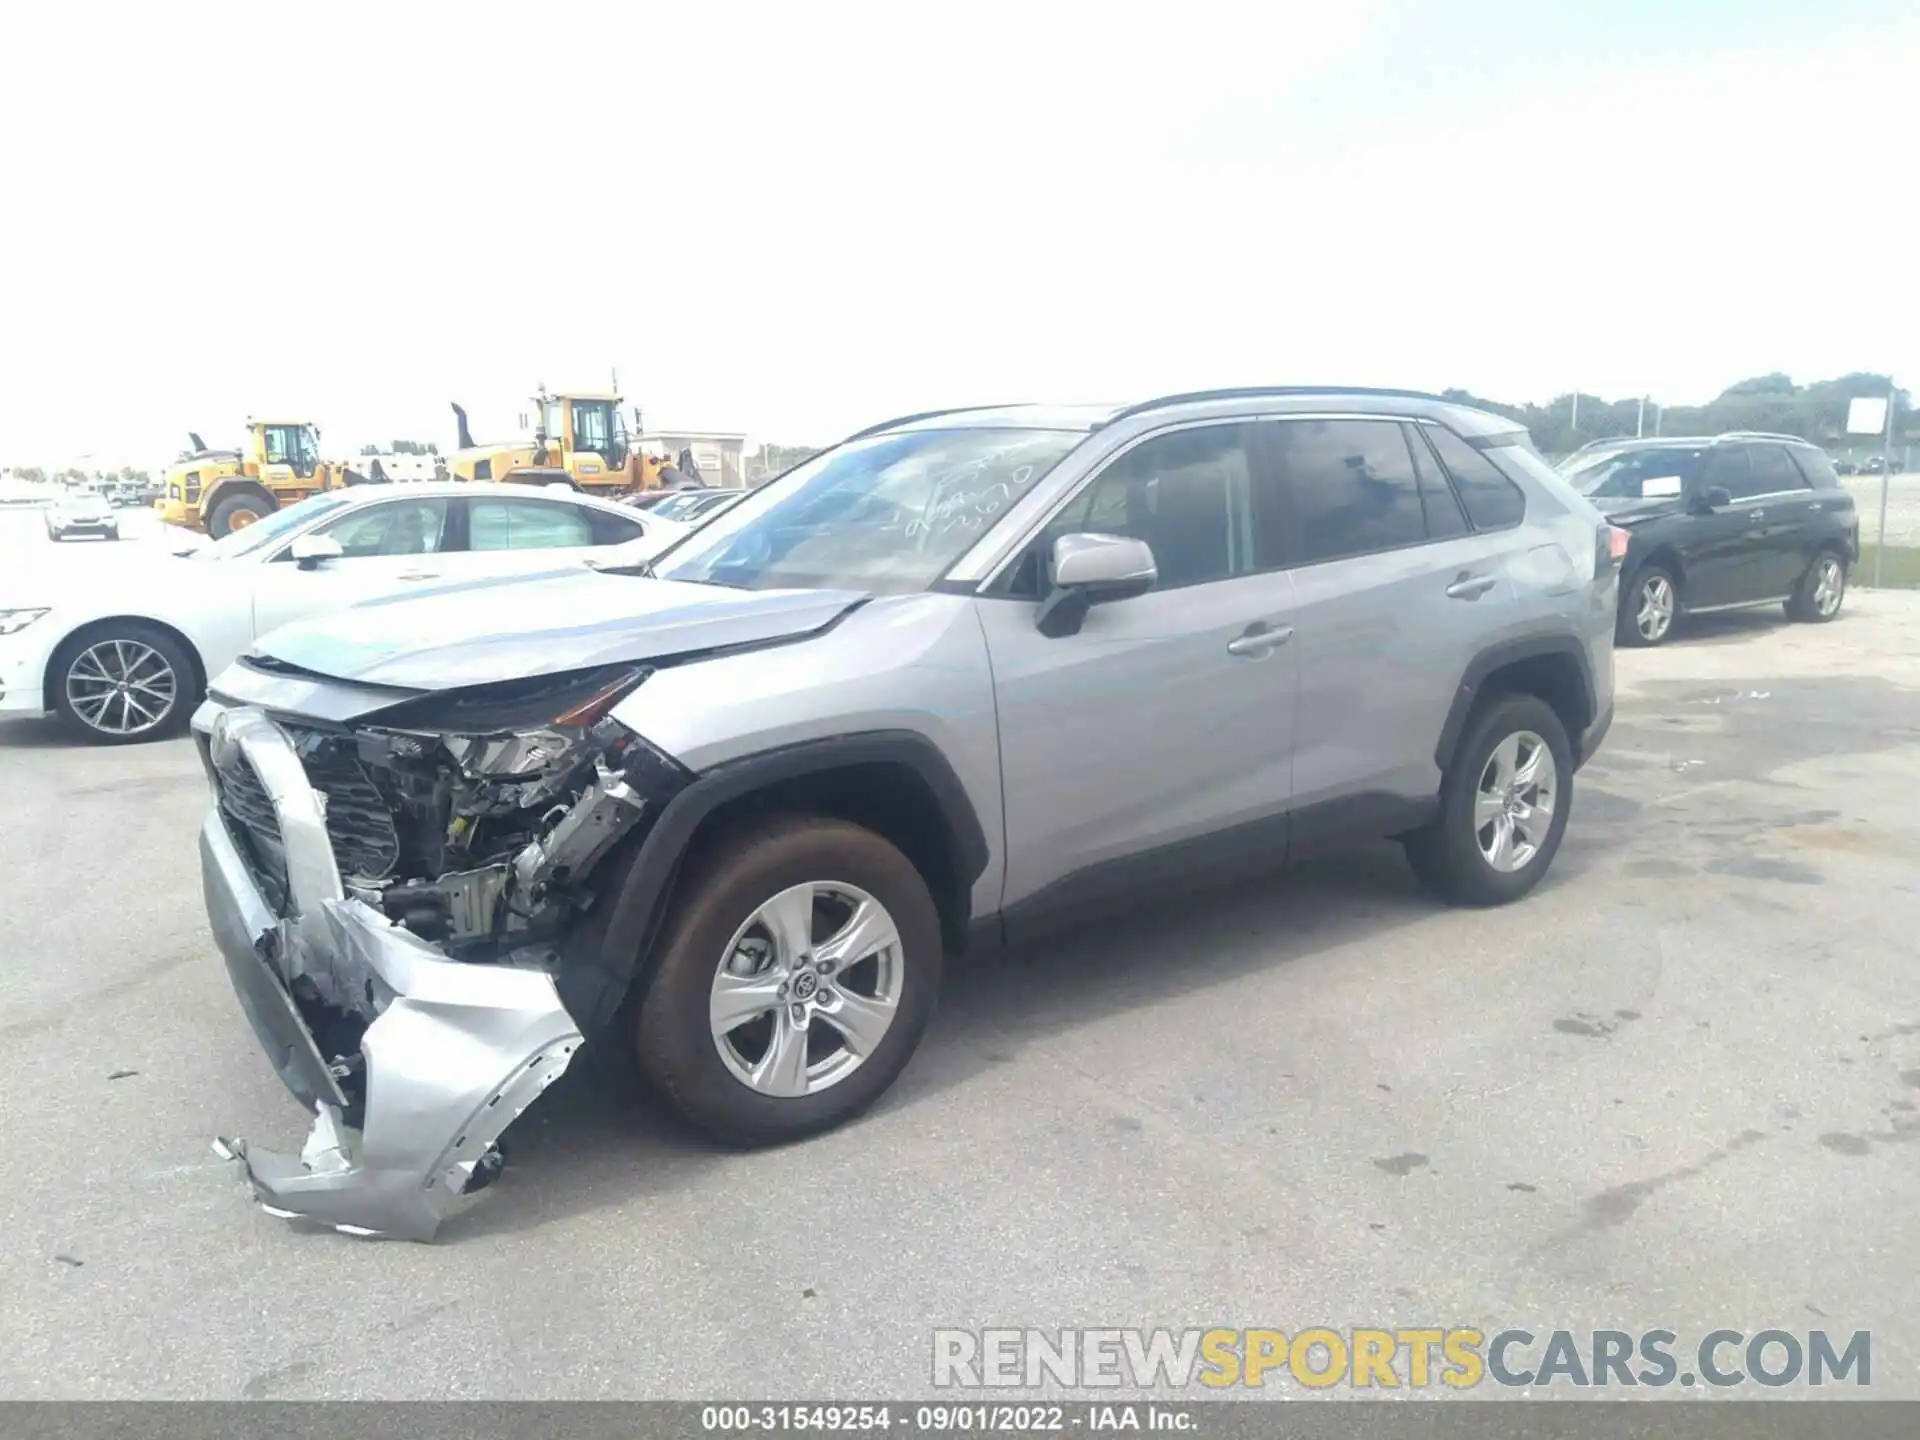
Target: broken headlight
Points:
(520, 730)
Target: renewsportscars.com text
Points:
(1454, 1358)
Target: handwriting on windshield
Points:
(961, 501)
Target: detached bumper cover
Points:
(453, 1054)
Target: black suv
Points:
(1721, 522)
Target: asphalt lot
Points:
(1676, 1087)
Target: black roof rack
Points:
(1256, 392)
(900, 420)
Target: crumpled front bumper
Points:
(455, 1052)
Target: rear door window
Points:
(1347, 486)
(526, 525)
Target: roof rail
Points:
(900, 420)
(1761, 435)
(1255, 392)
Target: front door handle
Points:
(1471, 587)
(1756, 516)
(1259, 641)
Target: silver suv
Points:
(963, 677)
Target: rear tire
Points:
(1821, 591)
(1649, 606)
(713, 938)
(1459, 855)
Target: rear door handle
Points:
(1471, 587)
(1756, 516)
(1259, 641)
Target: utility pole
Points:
(1574, 425)
(1886, 480)
(1640, 422)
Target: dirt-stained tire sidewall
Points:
(674, 1046)
(186, 693)
(1446, 854)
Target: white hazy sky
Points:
(793, 220)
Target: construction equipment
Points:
(579, 440)
(220, 491)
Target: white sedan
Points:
(122, 651)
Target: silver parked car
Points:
(84, 513)
(727, 815)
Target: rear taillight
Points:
(1609, 547)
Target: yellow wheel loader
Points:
(579, 440)
(220, 491)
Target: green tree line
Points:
(1816, 412)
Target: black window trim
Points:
(1453, 481)
(1747, 447)
(1419, 445)
(999, 585)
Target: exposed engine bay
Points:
(411, 878)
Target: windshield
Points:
(1635, 474)
(888, 514)
(597, 427)
(265, 531)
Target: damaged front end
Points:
(393, 897)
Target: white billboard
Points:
(1867, 415)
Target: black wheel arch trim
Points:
(594, 984)
(1497, 657)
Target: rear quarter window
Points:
(1492, 501)
(1815, 465)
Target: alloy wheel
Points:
(807, 989)
(1829, 584)
(1513, 803)
(1653, 617)
(122, 687)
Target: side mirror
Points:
(310, 552)
(1091, 570)
(1714, 497)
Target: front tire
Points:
(123, 684)
(236, 512)
(798, 969)
(1821, 591)
(1504, 804)
(1649, 605)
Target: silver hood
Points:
(486, 631)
